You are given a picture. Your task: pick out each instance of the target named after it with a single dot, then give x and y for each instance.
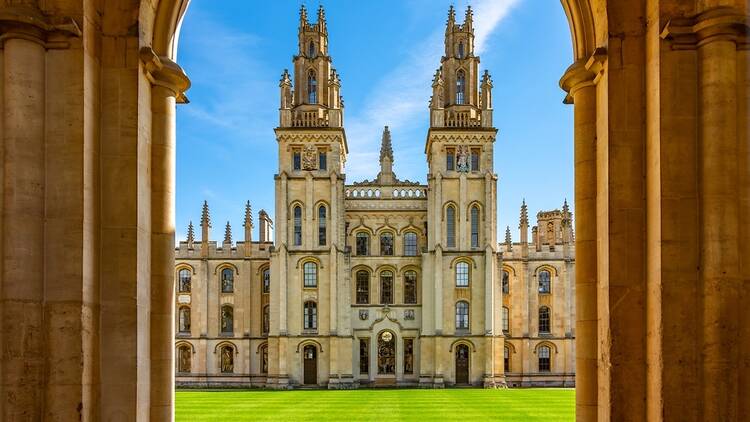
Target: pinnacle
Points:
(386, 149)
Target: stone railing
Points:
(385, 192)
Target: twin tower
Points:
(386, 282)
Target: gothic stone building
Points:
(383, 282)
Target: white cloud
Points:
(400, 98)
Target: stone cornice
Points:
(23, 22)
(162, 71)
(575, 78)
(309, 135)
(715, 24)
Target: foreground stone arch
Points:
(660, 93)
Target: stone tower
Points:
(309, 292)
(462, 239)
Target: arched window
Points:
(410, 244)
(183, 326)
(544, 281)
(310, 316)
(184, 359)
(544, 320)
(460, 86)
(227, 359)
(363, 244)
(544, 361)
(227, 280)
(461, 50)
(506, 320)
(386, 287)
(475, 226)
(227, 319)
(450, 226)
(363, 287)
(264, 359)
(506, 282)
(462, 315)
(312, 88)
(297, 225)
(310, 270)
(506, 359)
(462, 274)
(184, 278)
(410, 287)
(267, 280)
(311, 49)
(386, 244)
(266, 319)
(386, 353)
(322, 225)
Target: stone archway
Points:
(662, 179)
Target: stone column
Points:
(579, 83)
(743, 138)
(719, 222)
(169, 83)
(23, 260)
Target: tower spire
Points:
(190, 235)
(386, 176)
(524, 214)
(228, 234)
(508, 240)
(205, 225)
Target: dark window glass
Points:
(266, 319)
(184, 281)
(363, 287)
(266, 280)
(506, 320)
(544, 320)
(311, 49)
(386, 287)
(322, 161)
(544, 281)
(312, 88)
(297, 226)
(310, 316)
(408, 356)
(475, 226)
(462, 315)
(264, 359)
(386, 244)
(322, 226)
(386, 353)
(364, 356)
(297, 160)
(410, 287)
(410, 244)
(544, 363)
(310, 270)
(460, 87)
(506, 359)
(474, 160)
(460, 50)
(450, 159)
(450, 226)
(227, 280)
(506, 282)
(363, 244)
(184, 359)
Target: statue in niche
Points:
(184, 359)
(227, 360)
(309, 157)
(462, 158)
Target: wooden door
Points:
(462, 364)
(310, 365)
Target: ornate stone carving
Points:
(309, 158)
(462, 158)
(364, 314)
(409, 314)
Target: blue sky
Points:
(386, 53)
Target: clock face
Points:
(386, 336)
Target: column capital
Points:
(163, 71)
(582, 74)
(711, 25)
(28, 22)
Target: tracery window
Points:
(462, 315)
(267, 280)
(227, 359)
(363, 287)
(450, 226)
(544, 281)
(322, 225)
(227, 319)
(310, 315)
(544, 360)
(184, 320)
(460, 86)
(363, 244)
(184, 280)
(475, 226)
(297, 225)
(364, 356)
(227, 280)
(544, 320)
(506, 282)
(386, 244)
(410, 244)
(386, 353)
(410, 287)
(462, 274)
(310, 274)
(386, 287)
(312, 88)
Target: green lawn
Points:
(532, 404)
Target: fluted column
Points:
(169, 83)
(579, 83)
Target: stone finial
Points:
(302, 16)
(386, 149)
(508, 240)
(286, 78)
(524, 214)
(321, 18)
(248, 223)
(205, 216)
(190, 235)
(228, 233)
(468, 19)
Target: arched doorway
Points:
(386, 354)
(462, 364)
(310, 365)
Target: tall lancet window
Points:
(461, 50)
(311, 49)
(460, 86)
(312, 88)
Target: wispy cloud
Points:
(400, 98)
